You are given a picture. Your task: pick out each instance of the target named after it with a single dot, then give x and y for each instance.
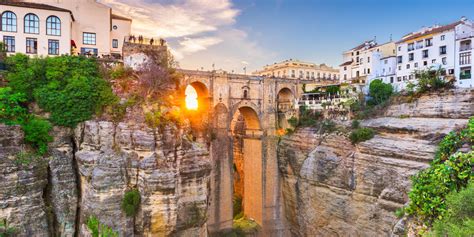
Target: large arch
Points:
(285, 107)
(247, 160)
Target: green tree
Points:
(131, 202)
(379, 92)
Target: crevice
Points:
(47, 192)
(78, 182)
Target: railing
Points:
(133, 39)
(465, 58)
(465, 35)
(465, 47)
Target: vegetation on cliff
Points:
(433, 194)
(131, 202)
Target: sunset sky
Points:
(252, 33)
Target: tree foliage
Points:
(361, 134)
(98, 229)
(131, 202)
(431, 79)
(379, 92)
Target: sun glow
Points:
(191, 98)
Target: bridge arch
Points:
(285, 106)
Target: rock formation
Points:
(333, 188)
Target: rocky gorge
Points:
(89, 170)
(334, 188)
(329, 186)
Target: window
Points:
(399, 67)
(31, 24)
(465, 73)
(399, 48)
(9, 42)
(433, 61)
(345, 77)
(115, 43)
(425, 63)
(410, 77)
(292, 73)
(399, 59)
(31, 45)
(444, 61)
(53, 47)
(9, 22)
(416, 65)
(451, 71)
(88, 38)
(345, 68)
(419, 44)
(368, 70)
(53, 26)
(404, 78)
(115, 27)
(442, 37)
(368, 59)
(411, 47)
(399, 78)
(442, 50)
(391, 79)
(411, 57)
(428, 42)
(408, 66)
(385, 61)
(424, 53)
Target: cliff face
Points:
(91, 168)
(332, 188)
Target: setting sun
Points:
(191, 98)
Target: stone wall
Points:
(333, 188)
(88, 172)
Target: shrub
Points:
(37, 133)
(70, 88)
(355, 124)
(328, 126)
(430, 80)
(361, 134)
(12, 110)
(131, 202)
(99, 230)
(293, 121)
(431, 186)
(379, 92)
(6, 230)
(459, 219)
(237, 206)
(154, 119)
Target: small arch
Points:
(245, 94)
(251, 118)
(31, 24)
(9, 22)
(53, 25)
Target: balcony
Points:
(465, 35)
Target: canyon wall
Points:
(334, 188)
(90, 169)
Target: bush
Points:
(131, 202)
(361, 134)
(355, 124)
(12, 110)
(430, 80)
(99, 230)
(379, 92)
(459, 219)
(237, 206)
(37, 133)
(68, 87)
(328, 126)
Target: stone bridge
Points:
(245, 114)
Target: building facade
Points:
(86, 27)
(295, 69)
(446, 46)
(366, 62)
(35, 29)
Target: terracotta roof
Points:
(436, 30)
(35, 6)
(346, 64)
(120, 17)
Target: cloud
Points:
(199, 32)
(177, 19)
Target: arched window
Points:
(53, 26)
(245, 94)
(8, 21)
(31, 24)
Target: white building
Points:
(78, 27)
(366, 62)
(463, 55)
(434, 47)
(35, 29)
